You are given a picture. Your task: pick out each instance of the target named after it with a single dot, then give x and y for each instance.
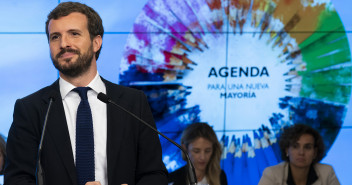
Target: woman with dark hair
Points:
(2, 154)
(204, 150)
(302, 148)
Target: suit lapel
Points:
(115, 128)
(57, 131)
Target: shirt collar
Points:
(96, 85)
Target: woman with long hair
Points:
(204, 150)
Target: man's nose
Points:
(65, 42)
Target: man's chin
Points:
(72, 70)
(67, 69)
(66, 63)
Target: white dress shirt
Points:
(71, 100)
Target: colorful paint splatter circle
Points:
(247, 67)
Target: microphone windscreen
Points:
(103, 97)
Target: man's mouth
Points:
(67, 55)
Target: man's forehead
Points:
(74, 20)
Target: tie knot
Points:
(82, 91)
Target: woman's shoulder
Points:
(223, 178)
(279, 166)
(326, 174)
(274, 174)
(222, 172)
(278, 170)
(323, 168)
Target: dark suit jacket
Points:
(133, 150)
(179, 176)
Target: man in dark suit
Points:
(125, 151)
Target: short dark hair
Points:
(95, 24)
(291, 135)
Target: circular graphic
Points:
(247, 67)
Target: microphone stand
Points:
(40, 171)
(191, 172)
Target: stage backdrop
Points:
(248, 68)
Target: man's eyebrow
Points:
(74, 30)
(70, 30)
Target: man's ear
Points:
(97, 42)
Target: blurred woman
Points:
(2, 154)
(302, 148)
(204, 150)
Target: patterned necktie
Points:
(84, 139)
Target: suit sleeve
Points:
(332, 179)
(267, 177)
(22, 147)
(150, 168)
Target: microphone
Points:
(40, 171)
(191, 172)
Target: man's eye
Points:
(54, 37)
(75, 33)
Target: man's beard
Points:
(77, 68)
